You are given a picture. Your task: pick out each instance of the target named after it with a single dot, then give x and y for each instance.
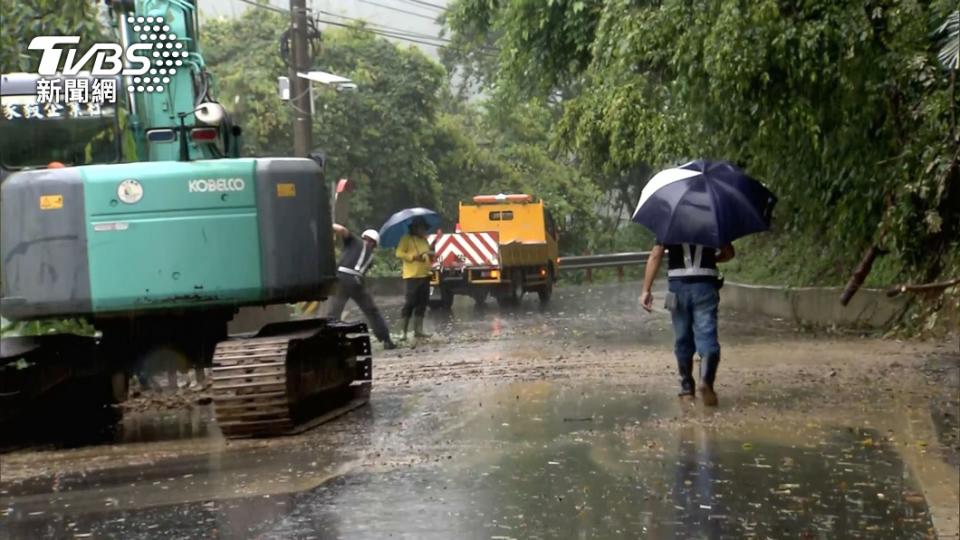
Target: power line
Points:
(383, 33)
(391, 8)
(399, 35)
(285, 11)
(269, 7)
(400, 31)
(427, 4)
(402, 37)
(433, 8)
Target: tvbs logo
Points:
(157, 47)
(108, 58)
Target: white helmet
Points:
(371, 234)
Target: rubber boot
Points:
(685, 369)
(418, 328)
(389, 345)
(406, 325)
(708, 373)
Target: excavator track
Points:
(250, 386)
(293, 378)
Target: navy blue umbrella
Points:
(399, 224)
(711, 203)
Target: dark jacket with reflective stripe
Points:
(690, 262)
(356, 257)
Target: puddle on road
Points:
(194, 422)
(534, 460)
(701, 488)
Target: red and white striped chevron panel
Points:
(467, 249)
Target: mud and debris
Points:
(942, 376)
(541, 423)
(166, 399)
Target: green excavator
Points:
(139, 218)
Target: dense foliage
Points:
(840, 106)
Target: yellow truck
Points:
(505, 246)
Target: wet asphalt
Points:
(505, 425)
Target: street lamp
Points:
(338, 83)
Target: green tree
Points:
(464, 161)
(518, 135)
(242, 55)
(379, 136)
(21, 21)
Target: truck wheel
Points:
(545, 291)
(446, 298)
(480, 297)
(514, 293)
(516, 287)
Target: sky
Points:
(405, 16)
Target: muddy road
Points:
(553, 423)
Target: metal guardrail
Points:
(610, 260)
(589, 263)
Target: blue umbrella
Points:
(399, 224)
(711, 203)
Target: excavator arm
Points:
(173, 115)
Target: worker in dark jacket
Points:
(356, 259)
(693, 298)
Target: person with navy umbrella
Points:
(696, 212)
(694, 283)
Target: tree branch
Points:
(926, 287)
(861, 273)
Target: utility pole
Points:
(300, 87)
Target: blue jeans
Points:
(695, 329)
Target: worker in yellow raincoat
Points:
(417, 256)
